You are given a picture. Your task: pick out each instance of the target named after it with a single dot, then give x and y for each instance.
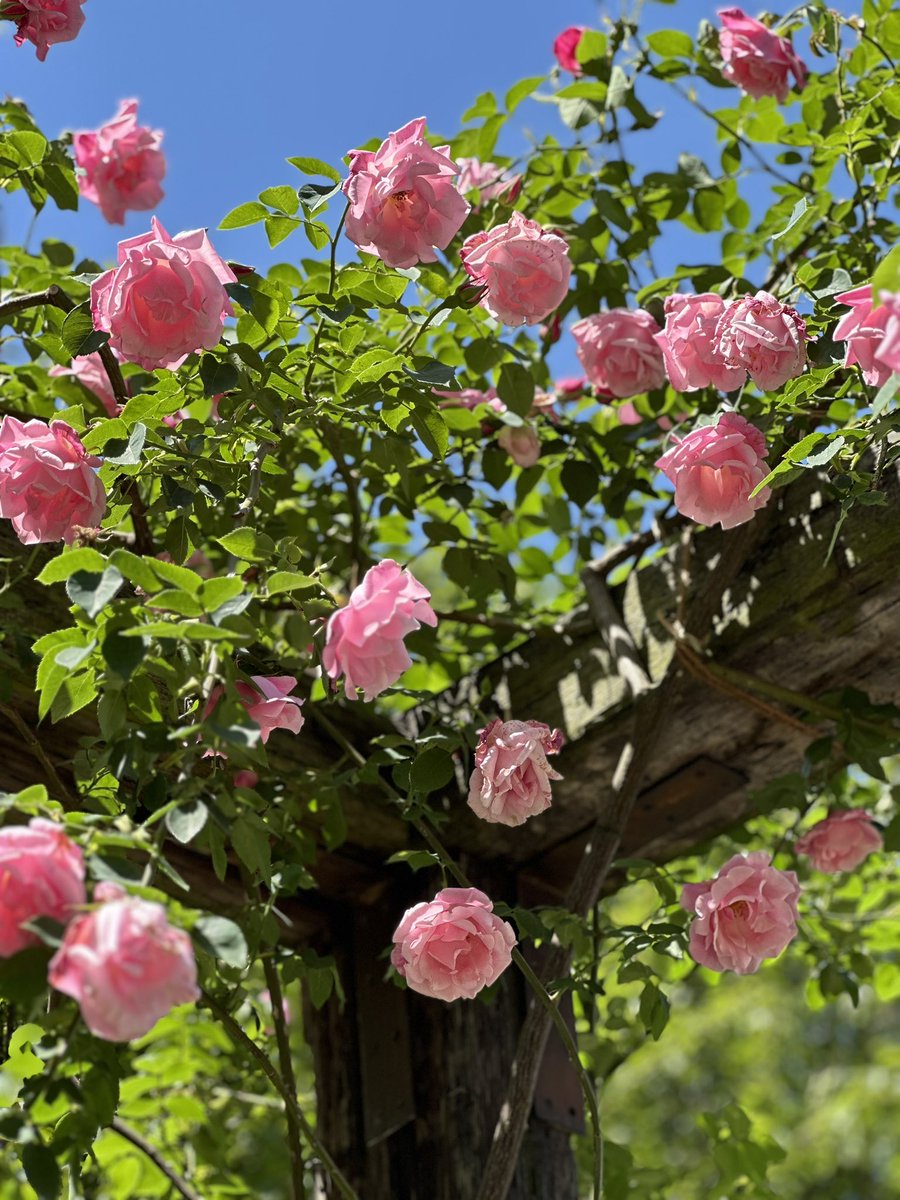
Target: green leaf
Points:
(315, 166)
(279, 228)
(431, 427)
(41, 1170)
(521, 90)
(619, 88)
(887, 276)
(580, 481)
(416, 860)
(247, 545)
(73, 694)
(289, 581)
(136, 570)
(120, 453)
(432, 374)
(885, 395)
(223, 939)
(186, 821)
(591, 51)
(671, 43)
(431, 770)
(653, 1010)
(29, 145)
(284, 198)
(214, 592)
(181, 631)
(516, 388)
(93, 592)
(245, 214)
(218, 376)
(78, 334)
(577, 111)
(800, 211)
(70, 561)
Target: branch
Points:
(28, 736)
(242, 1039)
(177, 1181)
(629, 664)
(652, 710)
(273, 982)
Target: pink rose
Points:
(863, 329)
(511, 779)
(714, 470)
(403, 201)
(44, 22)
(521, 443)
(619, 353)
(764, 337)
(628, 414)
(489, 179)
(524, 267)
(121, 164)
(245, 779)
(889, 350)
(165, 299)
(565, 47)
(746, 914)
(841, 841)
(269, 705)
(125, 965)
(453, 947)
(570, 387)
(470, 398)
(89, 370)
(364, 640)
(757, 60)
(688, 344)
(48, 487)
(41, 875)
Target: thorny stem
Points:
(283, 1041)
(240, 1037)
(317, 336)
(177, 1181)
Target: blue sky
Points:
(238, 86)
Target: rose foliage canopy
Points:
(279, 548)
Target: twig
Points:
(332, 279)
(177, 1181)
(283, 1041)
(241, 1038)
(360, 558)
(28, 736)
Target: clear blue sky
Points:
(238, 86)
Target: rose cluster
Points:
(121, 960)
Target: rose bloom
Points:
(403, 201)
(524, 267)
(165, 299)
(863, 329)
(489, 179)
(628, 414)
(756, 59)
(48, 487)
(453, 946)
(125, 965)
(521, 443)
(841, 841)
(364, 640)
(746, 914)
(619, 353)
(688, 344)
(44, 22)
(41, 875)
(511, 779)
(269, 705)
(565, 47)
(121, 164)
(470, 398)
(245, 779)
(570, 387)
(889, 350)
(764, 337)
(714, 470)
(89, 370)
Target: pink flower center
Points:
(400, 198)
(741, 909)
